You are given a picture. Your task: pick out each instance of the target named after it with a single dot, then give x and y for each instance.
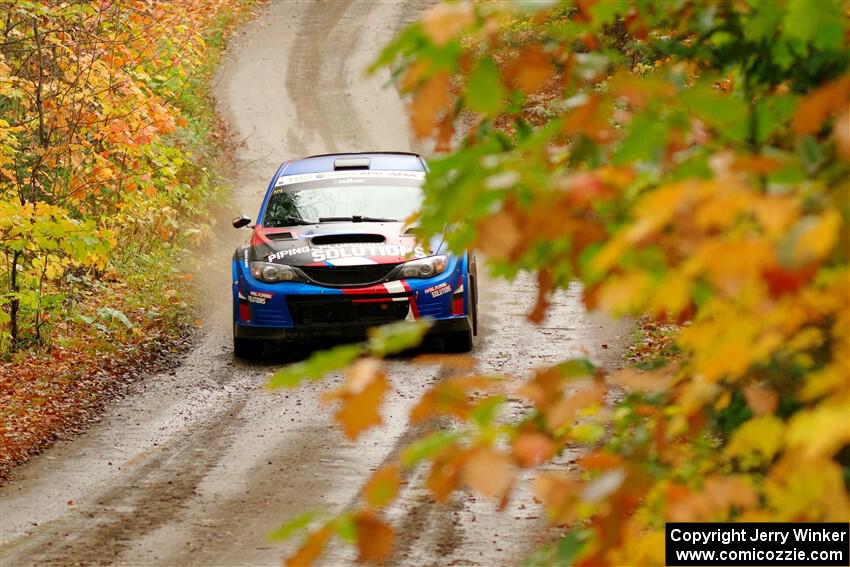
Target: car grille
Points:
(324, 310)
(348, 275)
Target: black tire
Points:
(460, 341)
(248, 349)
(473, 296)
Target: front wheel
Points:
(248, 349)
(459, 341)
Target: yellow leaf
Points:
(625, 294)
(759, 438)
(776, 213)
(672, 295)
(815, 238)
(807, 490)
(831, 380)
(820, 432)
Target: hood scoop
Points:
(279, 236)
(329, 239)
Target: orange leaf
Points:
(714, 502)
(361, 396)
(545, 285)
(382, 487)
(430, 100)
(532, 449)
(310, 549)
(558, 493)
(564, 412)
(450, 397)
(534, 69)
(599, 461)
(462, 361)
(761, 400)
(445, 472)
(841, 133)
(415, 73)
(489, 473)
(642, 381)
(500, 234)
(374, 537)
(590, 119)
(819, 104)
(444, 21)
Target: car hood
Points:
(339, 244)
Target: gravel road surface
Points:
(196, 465)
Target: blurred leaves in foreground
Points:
(687, 162)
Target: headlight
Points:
(268, 272)
(424, 268)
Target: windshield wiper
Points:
(289, 221)
(356, 218)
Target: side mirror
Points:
(241, 221)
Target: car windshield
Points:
(335, 199)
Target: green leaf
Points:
(296, 524)
(819, 22)
(396, 337)
(725, 113)
(487, 409)
(115, 314)
(765, 20)
(605, 12)
(484, 91)
(345, 528)
(427, 447)
(810, 152)
(315, 367)
(576, 368)
(571, 545)
(773, 115)
(646, 139)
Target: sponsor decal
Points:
(347, 176)
(337, 251)
(290, 252)
(260, 297)
(438, 290)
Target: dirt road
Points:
(194, 466)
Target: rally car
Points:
(330, 256)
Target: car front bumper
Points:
(284, 311)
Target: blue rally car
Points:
(330, 255)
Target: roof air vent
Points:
(341, 164)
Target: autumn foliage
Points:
(106, 143)
(98, 122)
(687, 162)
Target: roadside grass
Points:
(140, 311)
